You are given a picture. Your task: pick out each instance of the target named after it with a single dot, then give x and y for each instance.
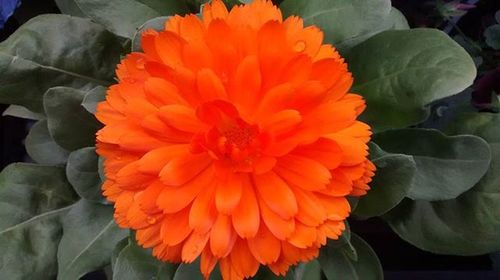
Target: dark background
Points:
(399, 259)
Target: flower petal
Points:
(180, 170)
(265, 247)
(246, 216)
(276, 194)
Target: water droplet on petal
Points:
(300, 46)
(151, 220)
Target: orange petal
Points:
(191, 28)
(281, 122)
(324, 151)
(276, 194)
(203, 212)
(174, 199)
(150, 236)
(242, 259)
(154, 161)
(303, 172)
(180, 170)
(333, 229)
(207, 263)
(175, 228)
(278, 226)
(228, 193)
(162, 92)
(265, 247)
(311, 213)
(147, 199)
(214, 10)
(169, 47)
(303, 236)
(130, 178)
(181, 117)
(337, 208)
(340, 185)
(354, 150)
(193, 246)
(246, 216)
(210, 86)
(168, 253)
(148, 43)
(247, 82)
(222, 236)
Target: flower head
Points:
(234, 137)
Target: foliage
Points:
(437, 190)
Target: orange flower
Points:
(234, 138)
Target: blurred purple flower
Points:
(464, 7)
(454, 8)
(7, 8)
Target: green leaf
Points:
(90, 235)
(55, 50)
(123, 17)
(469, 224)
(70, 125)
(41, 147)
(400, 72)
(69, 7)
(309, 271)
(447, 166)
(344, 22)
(189, 271)
(83, 174)
(21, 112)
(391, 184)
(136, 263)
(492, 34)
(157, 23)
(335, 262)
(117, 250)
(92, 98)
(33, 198)
(397, 20)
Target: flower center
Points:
(230, 140)
(238, 143)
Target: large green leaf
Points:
(468, 225)
(90, 235)
(335, 262)
(41, 147)
(391, 184)
(309, 271)
(447, 166)
(399, 72)
(70, 124)
(83, 174)
(33, 198)
(344, 22)
(92, 98)
(136, 263)
(22, 112)
(189, 271)
(123, 17)
(55, 50)
(69, 7)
